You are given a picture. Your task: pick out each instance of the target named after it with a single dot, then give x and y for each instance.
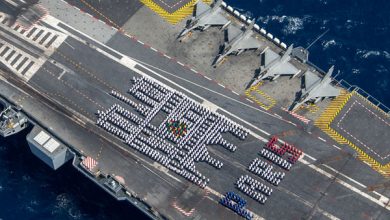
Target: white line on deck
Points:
(221, 85)
(345, 184)
(167, 56)
(140, 42)
(321, 139)
(235, 93)
(336, 147)
(249, 100)
(345, 176)
(207, 77)
(308, 156)
(63, 72)
(278, 115)
(69, 45)
(153, 49)
(293, 123)
(180, 63)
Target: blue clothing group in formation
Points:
(237, 204)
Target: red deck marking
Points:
(89, 163)
(294, 152)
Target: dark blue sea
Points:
(357, 43)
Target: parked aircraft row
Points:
(239, 40)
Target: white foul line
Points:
(336, 147)
(69, 45)
(278, 115)
(249, 100)
(60, 76)
(347, 185)
(321, 139)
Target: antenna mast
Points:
(319, 37)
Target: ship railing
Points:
(353, 88)
(235, 13)
(372, 99)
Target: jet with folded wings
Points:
(275, 65)
(239, 41)
(206, 16)
(317, 88)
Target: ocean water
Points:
(29, 189)
(357, 43)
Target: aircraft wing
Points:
(284, 69)
(249, 43)
(270, 56)
(233, 32)
(326, 90)
(311, 79)
(216, 19)
(315, 88)
(201, 8)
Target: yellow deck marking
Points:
(255, 89)
(175, 16)
(327, 117)
(312, 108)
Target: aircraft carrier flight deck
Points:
(190, 110)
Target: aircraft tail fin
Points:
(287, 54)
(250, 26)
(217, 4)
(329, 73)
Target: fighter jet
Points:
(317, 88)
(206, 16)
(238, 41)
(275, 65)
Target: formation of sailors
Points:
(275, 159)
(149, 86)
(217, 139)
(123, 98)
(171, 104)
(291, 149)
(140, 144)
(189, 148)
(236, 203)
(264, 170)
(253, 188)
